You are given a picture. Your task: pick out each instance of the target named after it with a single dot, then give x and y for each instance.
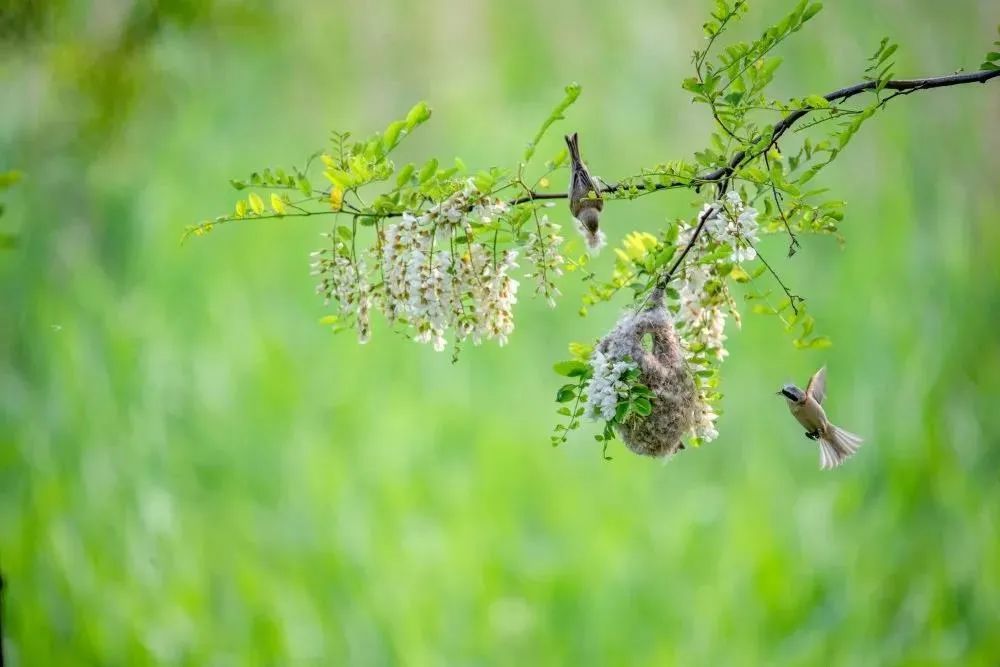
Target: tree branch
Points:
(903, 86)
(722, 174)
(719, 176)
(911, 85)
(702, 219)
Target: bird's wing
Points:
(588, 183)
(817, 385)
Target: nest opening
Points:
(650, 340)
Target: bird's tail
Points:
(574, 148)
(836, 446)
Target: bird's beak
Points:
(779, 393)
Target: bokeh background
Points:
(193, 471)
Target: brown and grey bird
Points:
(835, 444)
(586, 208)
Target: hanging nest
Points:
(664, 371)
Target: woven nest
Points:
(664, 371)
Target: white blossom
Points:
(704, 310)
(606, 386)
(429, 282)
(543, 255)
(345, 281)
(704, 427)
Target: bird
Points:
(835, 444)
(586, 209)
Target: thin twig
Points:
(702, 219)
(665, 279)
(777, 202)
(792, 298)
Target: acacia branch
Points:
(907, 85)
(705, 215)
(902, 86)
(720, 176)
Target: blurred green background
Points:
(193, 471)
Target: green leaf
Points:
(427, 171)
(572, 93)
(820, 342)
(483, 181)
(340, 178)
(360, 168)
(566, 393)
(691, 84)
(642, 390)
(572, 368)
(811, 11)
(404, 175)
(277, 204)
(817, 102)
(739, 275)
(392, 134)
(642, 406)
(256, 203)
(417, 115)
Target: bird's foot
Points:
(812, 435)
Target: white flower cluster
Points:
(703, 316)
(606, 386)
(543, 254)
(704, 302)
(345, 281)
(704, 425)
(465, 206)
(428, 273)
(436, 288)
(703, 311)
(734, 223)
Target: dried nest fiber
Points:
(664, 371)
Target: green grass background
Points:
(194, 472)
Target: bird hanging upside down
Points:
(835, 444)
(586, 208)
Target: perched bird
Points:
(835, 444)
(585, 208)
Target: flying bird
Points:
(835, 444)
(584, 207)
